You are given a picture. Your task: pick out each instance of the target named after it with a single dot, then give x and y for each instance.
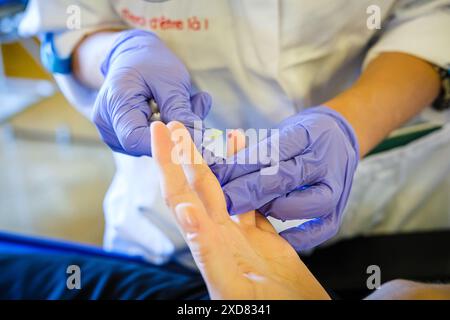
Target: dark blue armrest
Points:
(20, 244)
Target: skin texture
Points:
(239, 259)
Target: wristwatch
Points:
(442, 102)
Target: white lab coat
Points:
(262, 61)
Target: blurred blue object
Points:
(17, 94)
(19, 244)
(11, 13)
(13, 2)
(36, 268)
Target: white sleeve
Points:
(417, 27)
(54, 16)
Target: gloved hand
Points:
(138, 68)
(318, 155)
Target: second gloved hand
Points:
(138, 68)
(311, 179)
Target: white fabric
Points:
(419, 28)
(392, 187)
(261, 60)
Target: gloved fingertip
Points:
(201, 104)
(137, 142)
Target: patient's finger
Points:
(236, 142)
(199, 230)
(190, 213)
(174, 186)
(198, 174)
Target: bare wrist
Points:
(89, 55)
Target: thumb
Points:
(176, 106)
(201, 104)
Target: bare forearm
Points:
(411, 290)
(393, 88)
(89, 55)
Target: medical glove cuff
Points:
(343, 124)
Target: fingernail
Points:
(185, 215)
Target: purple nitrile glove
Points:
(138, 68)
(318, 154)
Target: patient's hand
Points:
(239, 259)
